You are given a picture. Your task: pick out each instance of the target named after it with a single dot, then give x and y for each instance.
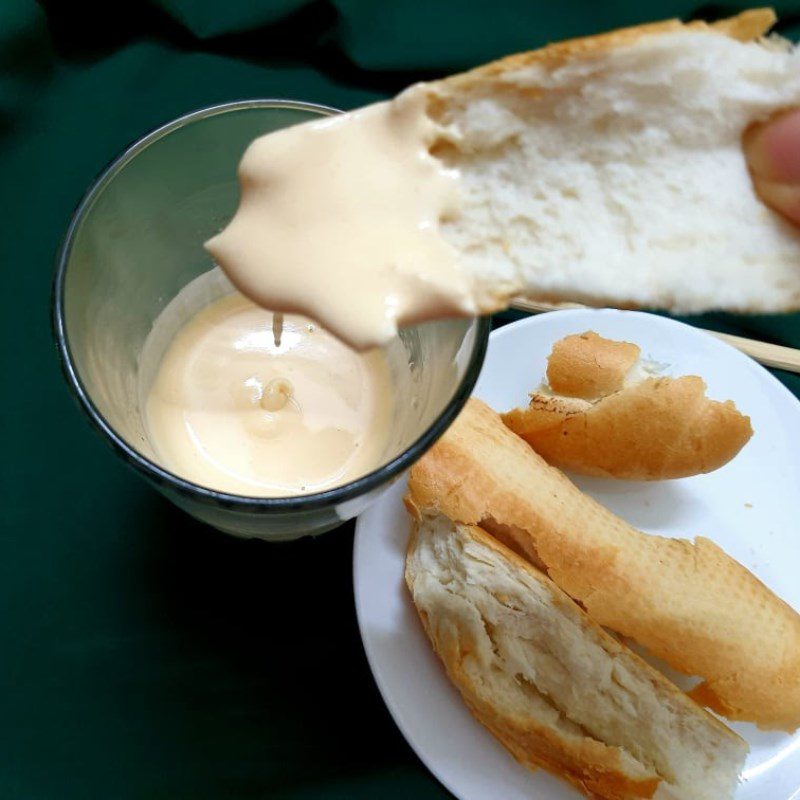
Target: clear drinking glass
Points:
(135, 242)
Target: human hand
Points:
(772, 150)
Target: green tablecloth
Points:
(143, 655)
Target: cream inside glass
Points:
(132, 274)
(233, 404)
(338, 218)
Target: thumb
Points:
(772, 150)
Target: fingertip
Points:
(772, 148)
(781, 197)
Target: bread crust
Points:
(588, 366)
(687, 602)
(457, 92)
(661, 428)
(591, 765)
(747, 26)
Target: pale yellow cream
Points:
(232, 411)
(339, 220)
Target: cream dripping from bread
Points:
(339, 220)
(231, 410)
(607, 170)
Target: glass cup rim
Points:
(169, 480)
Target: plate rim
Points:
(532, 320)
(748, 361)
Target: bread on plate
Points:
(686, 602)
(555, 688)
(605, 411)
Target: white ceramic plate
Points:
(749, 507)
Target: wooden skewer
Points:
(770, 355)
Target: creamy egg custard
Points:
(232, 410)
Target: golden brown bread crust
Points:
(658, 429)
(591, 766)
(449, 606)
(687, 602)
(745, 27)
(748, 25)
(588, 366)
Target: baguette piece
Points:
(553, 686)
(588, 366)
(604, 414)
(686, 602)
(609, 170)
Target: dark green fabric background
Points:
(143, 655)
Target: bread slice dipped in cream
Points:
(686, 602)
(555, 688)
(606, 170)
(605, 411)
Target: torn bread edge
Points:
(550, 684)
(604, 411)
(687, 602)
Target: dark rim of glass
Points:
(169, 480)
